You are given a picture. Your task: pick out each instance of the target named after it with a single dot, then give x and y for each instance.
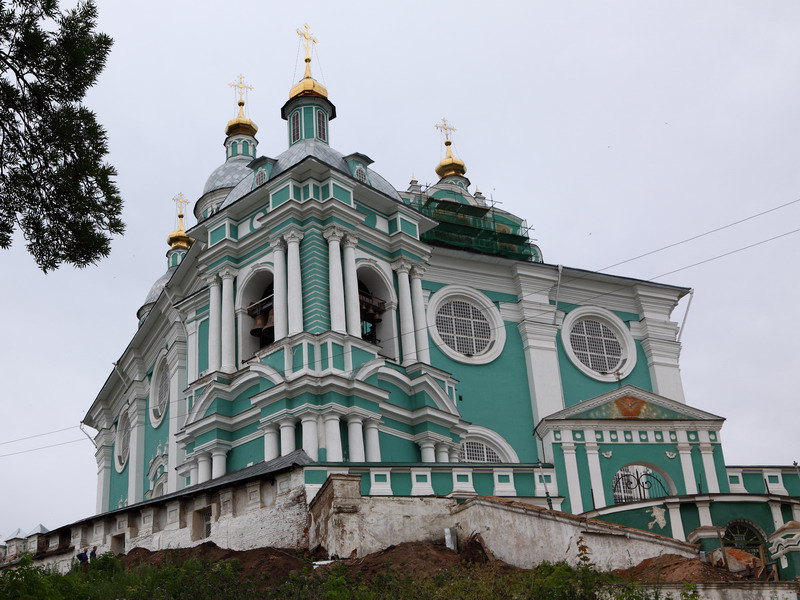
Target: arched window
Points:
(361, 174)
(234, 148)
(246, 148)
(295, 126)
(472, 451)
(372, 309)
(743, 535)
(633, 483)
(322, 126)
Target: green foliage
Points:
(194, 579)
(54, 184)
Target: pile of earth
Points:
(672, 568)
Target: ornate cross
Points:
(445, 128)
(308, 39)
(181, 203)
(241, 87)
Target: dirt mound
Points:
(669, 568)
(274, 564)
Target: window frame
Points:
(616, 325)
(322, 126)
(295, 133)
(156, 413)
(120, 461)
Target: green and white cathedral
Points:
(418, 339)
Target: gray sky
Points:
(614, 128)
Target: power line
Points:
(40, 448)
(37, 435)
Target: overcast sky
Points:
(614, 128)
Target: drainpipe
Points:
(686, 314)
(558, 289)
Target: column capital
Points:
(418, 270)
(269, 427)
(402, 265)
(287, 422)
(330, 416)
(309, 416)
(227, 273)
(293, 236)
(211, 280)
(333, 234)
(277, 243)
(355, 419)
(371, 423)
(350, 241)
(426, 444)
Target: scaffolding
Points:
(474, 228)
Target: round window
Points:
(595, 345)
(598, 343)
(463, 327)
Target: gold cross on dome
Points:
(181, 203)
(445, 128)
(308, 39)
(241, 87)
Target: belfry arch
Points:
(255, 312)
(378, 308)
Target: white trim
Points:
(613, 322)
(487, 308)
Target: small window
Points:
(322, 126)
(477, 452)
(463, 327)
(246, 148)
(361, 174)
(261, 177)
(295, 127)
(234, 148)
(598, 343)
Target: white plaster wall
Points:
(740, 590)
(528, 536)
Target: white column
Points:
(454, 455)
(137, 416)
(442, 453)
(418, 305)
(777, 515)
(203, 467)
(595, 473)
(352, 305)
(104, 455)
(228, 336)
(573, 481)
(334, 235)
(675, 521)
(194, 474)
(707, 454)
(373, 442)
(218, 462)
(279, 288)
(704, 512)
(309, 429)
(685, 452)
(355, 437)
(214, 323)
(271, 445)
(333, 438)
(287, 436)
(295, 282)
(427, 453)
(402, 267)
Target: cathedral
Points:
(318, 319)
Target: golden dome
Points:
(308, 86)
(450, 165)
(241, 124)
(178, 238)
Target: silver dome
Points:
(155, 292)
(229, 173)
